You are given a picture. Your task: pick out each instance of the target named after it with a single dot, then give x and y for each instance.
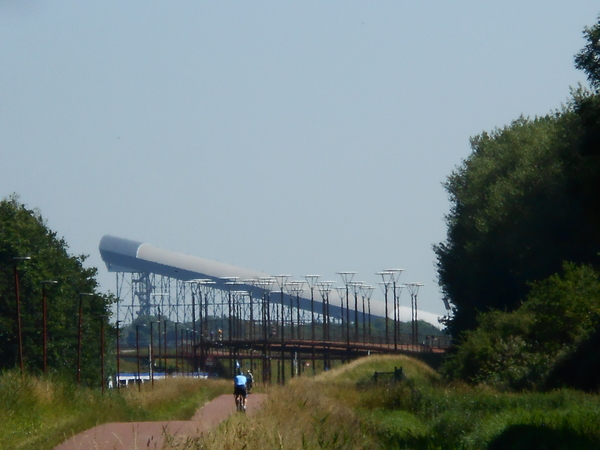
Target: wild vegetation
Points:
(346, 409)
(40, 413)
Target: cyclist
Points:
(249, 381)
(239, 391)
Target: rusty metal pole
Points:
(45, 326)
(18, 310)
(79, 332)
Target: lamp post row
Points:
(44, 283)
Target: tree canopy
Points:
(531, 346)
(523, 202)
(588, 59)
(23, 233)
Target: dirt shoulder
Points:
(154, 435)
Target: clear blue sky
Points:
(292, 137)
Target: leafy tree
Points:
(514, 217)
(588, 59)
(23, 232)
(524, 201)
(528, 347)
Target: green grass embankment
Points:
(40, 413)
(345, 409)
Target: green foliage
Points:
(40, 413)
(417, 416)
(588, 59)
(520, 349)
(523, 202)
(23, 232)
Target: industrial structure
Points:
(238, 314)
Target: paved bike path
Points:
(153, 435)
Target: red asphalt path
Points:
(153, 435)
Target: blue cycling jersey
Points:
(240, 380)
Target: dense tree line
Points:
(23, 233)
(523, 242)
(522, 203)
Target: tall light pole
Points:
(137, 352)
(385, 285)
(151, 352)
(341, 291)
(294, 289)
(366, 292)
(347, 279)
(266, 284)
(165, 346)
(324, 290)
(176, 349)
(394, 276)
(312, 280)
(118, 355)
(281, 281)
(16, 260)
(79, 331)
(102, 351)
(45, 326)
(413, 289)
(205, 287)
(355, 290)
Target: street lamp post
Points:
(266, 283)
(366, 292)
(341, 291)
(176, 349)
(325, 289)
(413, 289)
(165, 346)
(137, 352)
(79, 331)
(355, 289)
(281, 281)
(311, 280)
(386, 281)
(394, 275)
(16, 259)
(45, 326)
(118, 380)
(102, 351)
(347, 279)
(151, 352)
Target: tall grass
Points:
(340, 409)
(344, 409)
(294, 416)
(40, 413)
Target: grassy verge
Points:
(40, 413)
(344, 409)
(339, 409)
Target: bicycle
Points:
(240, 403)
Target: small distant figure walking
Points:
(249, 381)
